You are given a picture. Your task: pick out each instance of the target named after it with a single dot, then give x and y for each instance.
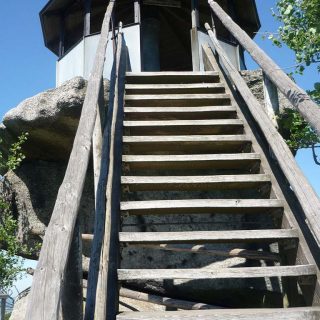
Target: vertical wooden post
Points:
(61, 35)
(72, 295)
(87, 17)
(194, 35)
(271, 99)
(137, 11)
(3, 308)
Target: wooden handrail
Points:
(297, 96)
(307, 197)
(44, 299)
(98, 302)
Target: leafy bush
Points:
(10, 264)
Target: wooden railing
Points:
(102, 289)
(56, 291)
(309, 201)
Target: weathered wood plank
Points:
(191, 144)
(44, 299)
(180, 113)
(175, 88)
(165, 301)
(140, 183)
(171, 77)
(306, 195)
(177, 100)
(297, 96)
(226, 236)
(242, 161)
(217, 273)
(175, 127)
(241, 314)
(203, 249)
(199, 206)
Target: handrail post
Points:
(297, 96)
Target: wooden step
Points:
(177, 100)
(244, 161)
(217, 273)
(199, 206)
(185, 127)
(179, 183)
(203, 237)
(176, 88)
(306, 313)
(171, 77)
(178, 113)
(193, 144)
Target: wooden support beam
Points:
(195, 13)
(46, 291)
(165, 301)
(202, 249)
(306, 195)
(87, 18)
(137, 11)
(194, 35)
(297, 96)
(61, 34)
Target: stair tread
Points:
(217, 273)
(188, 144)
(202, 206)
(187, 138)
(241, 161)
(195, 179)
(306, 313)
(177, 96)
(179, 109)
(208, 236)
(180, 183)
(171, 73)
(164, 123)
(191, 157)
(171, 77)
(166, 127)
(174, 88)
(177, 99)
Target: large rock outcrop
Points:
(51, 119)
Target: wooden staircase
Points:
(203, 216)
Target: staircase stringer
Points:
(279, 188)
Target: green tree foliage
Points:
(10, 263)
(300, 31)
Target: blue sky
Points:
(27, 67)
